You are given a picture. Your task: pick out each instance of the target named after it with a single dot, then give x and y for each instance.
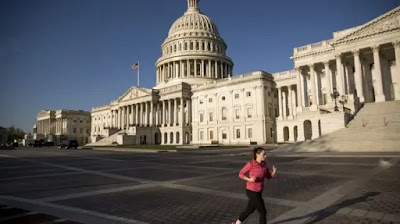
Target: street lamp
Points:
(343, 101)
(335, 95)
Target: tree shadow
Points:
(328, 211)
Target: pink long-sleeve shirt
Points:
(258, 170)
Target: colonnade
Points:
(165, 113)
(186, 68)
(339, 74)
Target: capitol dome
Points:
(193, 52)
(193, 20)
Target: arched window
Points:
(191, 45)
(185, 46)
(175, 48)
(224, 113)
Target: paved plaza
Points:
(88, 186)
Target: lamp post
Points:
(335, 95)
(343, 101)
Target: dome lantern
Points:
(193, 4)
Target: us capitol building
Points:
(197, 100)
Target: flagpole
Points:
(138, 74)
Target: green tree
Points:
(14, 134)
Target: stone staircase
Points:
(110, 140)
(375, 128)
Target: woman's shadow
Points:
(328, 211)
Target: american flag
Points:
(135, 66)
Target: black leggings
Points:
(255, 202)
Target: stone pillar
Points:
(141, 114)
(299, 88)
(209, 68)
(202, 69)
(290, 102)
(328, 77)
(313, 86)
(189, 111)
(216, 69)
(396, 88)
(379, 95)
(279, 103)
(188, 68)
(137, 114)
(119, 118)
(182, 112)
(146, 113)
(151, 113)
(339, 75)
(169, 122)
(164, 117)
(284, 105)
(176, 121)
(358, 76)
(195, 67)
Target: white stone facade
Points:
(59, 125)
(196, 99)
(361, 63)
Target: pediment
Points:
(388, 22)
(43, 113)
(134, 92)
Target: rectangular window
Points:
(237, 113)
(201, 135)
(210, 100)
(223, 135)
(249, 112)
(211, 135)
(237, 133)
(201, 101)
(237, 96)
(211, 114)
(250, 133)
(248, 94)
(201, 117)
(81, 130)
(74, 130)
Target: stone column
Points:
(202, 68)
(396, 46)
(182, 112)
(151, 114)
(188, 68)
(164, 113)
(339, 75)
(209, 68)
(195, 67)
(358, 76)
(119, 118)
(263, 96)
(279, 103)
(140, 117)
(284, 105)
(176, 112)
(379, 95)
(300, 88)
(328, 77)
(216, 69)
(189, 111)
(290, 102)
(313, 86)
(159, 115)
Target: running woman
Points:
(258, 171)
